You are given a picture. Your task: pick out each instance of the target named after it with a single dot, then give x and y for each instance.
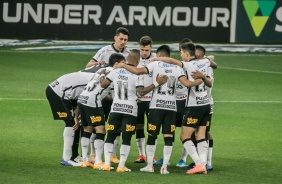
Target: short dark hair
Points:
(164, 50)
(133, 56)
(184, 40)
(189, 47)
(201, 48)
(122, 30)
(146, 40)
(115, 57)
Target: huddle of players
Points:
(155, 85)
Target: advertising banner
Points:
(259, 21)
(200, 20)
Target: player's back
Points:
(164, 97)
(197, 95)
(125, 96)
(71, 85)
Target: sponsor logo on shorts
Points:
(130, 128)
(95, 119)
(151, 127)
(191, 121)
(110, 127)
(62, 114)
(172, 128)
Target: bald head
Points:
(133, 57)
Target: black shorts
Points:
(161, 118)
(180, 112)
(124, 123)
(209, 123)
(91, 116)
(143, 108)
(196, 116)
(62, 109)
(106, 104)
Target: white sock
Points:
(116, 142)
(99, 145)
(202, 151)
(191, 150)
(84, 148)
(124, 152)
(209, 161)
(150, 150)
(184, 154)
(68, 141)
(167, 153)
(92, 147)
(141, 146)
(108, 150)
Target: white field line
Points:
(220, 101)
(249, 70)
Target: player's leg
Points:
(92, 146)
(210, 142)
(140, 134)
(100, 135)
(113, 130)
(153, 129)
(64, 107)
(168, 129)
(190, 123)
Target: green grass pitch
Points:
(246, 124)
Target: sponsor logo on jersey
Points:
(62, 114)
(166, 65)
(130, 128)
(151, 127)
(95, 119)
(110, 127)
(172, 128)
(191, 121)
(168, 71)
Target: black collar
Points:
(116, 49)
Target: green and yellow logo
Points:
(258, 12)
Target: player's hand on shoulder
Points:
(210, 57)
(101, 63)
(198, 81)
(161, 79)
(153, 59)
(197, 75)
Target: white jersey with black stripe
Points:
(148, 78)
(164, 96)
(93, 94)
(197, 95)
(125, 95)
(69, 86)
(105, 52)
(209, 90)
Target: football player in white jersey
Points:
(62, 95)
(123, 116)
(197, 107)
(145, 46)
(92, 114)
(200, 54)
(119, 46)
(162, 106)
(101, 58)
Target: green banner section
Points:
(259, 21)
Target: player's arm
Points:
(92, 62)
(76, 120)
(104, 82)
(199, 75)
(188, 83)
(213, 64)
(168, 60)
(160, 80)
(132, 69)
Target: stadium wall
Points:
(214, 21)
